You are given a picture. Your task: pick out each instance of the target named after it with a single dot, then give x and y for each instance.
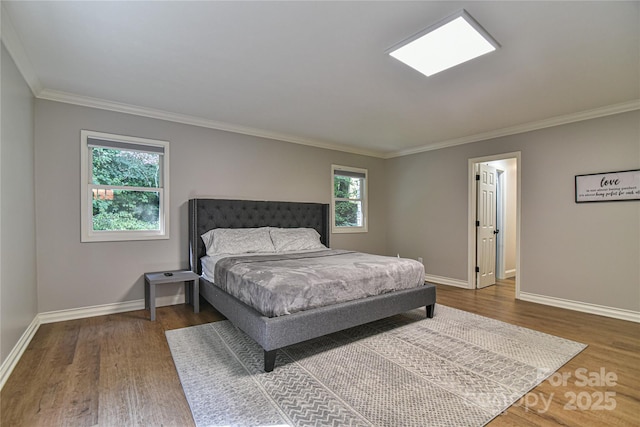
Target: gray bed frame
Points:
(273, 333)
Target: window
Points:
(124, 188)
(349, 201)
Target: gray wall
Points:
(418, 205)
(581, 252)
(203, 162)
(18, 299)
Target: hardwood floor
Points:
(113, 370)
(117, 370)
(613, 350)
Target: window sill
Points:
(122, 237)
(345, 230)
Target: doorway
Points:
(506, 246)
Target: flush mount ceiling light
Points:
(450, 42)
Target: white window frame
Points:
(88, 234)
(363, 199)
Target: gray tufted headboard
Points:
(206, 214)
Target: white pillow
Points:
(207, 238)
(237, 240)
(295, 239)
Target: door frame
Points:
(472, 201)
(486, 224)
(500, 221)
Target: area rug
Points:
(456, 369)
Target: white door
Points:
(486, 227)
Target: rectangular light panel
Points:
(457, 39)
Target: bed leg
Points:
(269, 360)
(430, 310)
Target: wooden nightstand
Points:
(191, 288)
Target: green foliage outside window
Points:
(346, 212)
(125, 209)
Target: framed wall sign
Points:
(608, 187)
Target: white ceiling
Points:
(317, 73)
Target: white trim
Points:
(85, 101)
(471, 207)
(364, 199)
(501, 197)
(509, 273)
(105, 309)
(446, 281)
(595, 113)
(92, 311)
(72, 314)
(102, 104)
(16, 353)
(87, 234)
(99, 310)
(585, 307)
(14, 46)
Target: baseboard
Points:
(92, 311)
(447, 281)
(101, 310)
(509, 273)
(601, 310)
(71, 314)
(16, 353)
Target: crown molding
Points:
(103, 104)
(85, 101)
(527, 127)
(14, 46)
(12, 42)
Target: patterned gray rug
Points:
(457, 369)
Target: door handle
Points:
(496, 231)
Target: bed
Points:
(273, 333)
